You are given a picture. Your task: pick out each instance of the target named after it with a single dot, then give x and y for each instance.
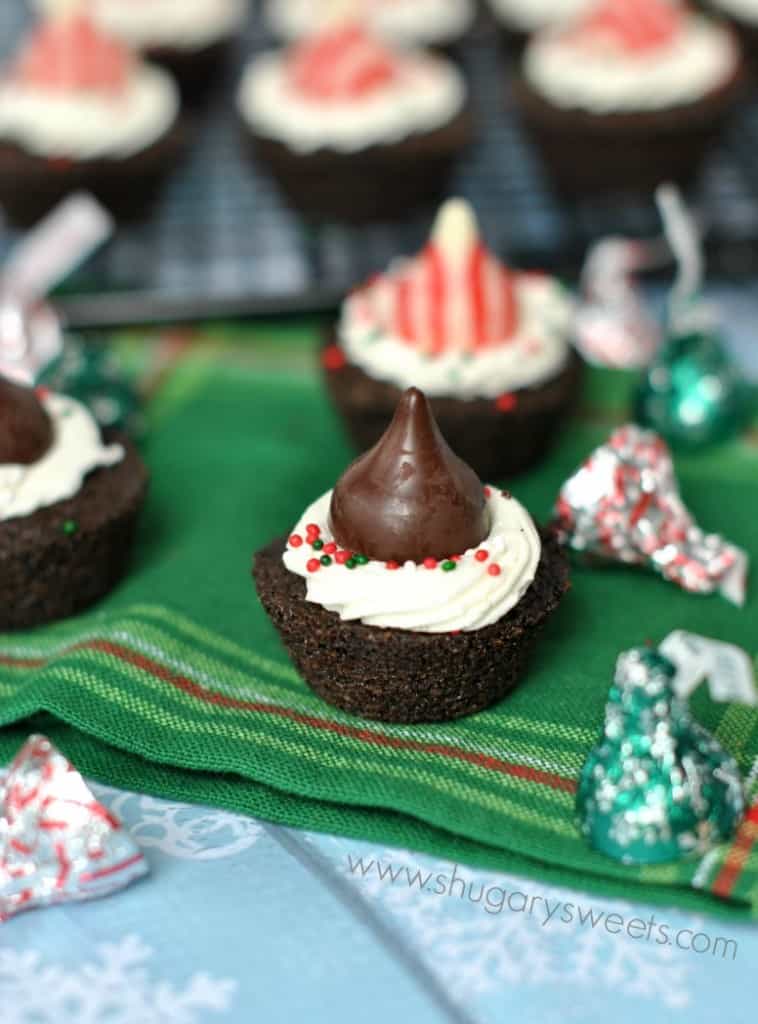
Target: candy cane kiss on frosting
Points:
(77, 92)
(631, 55)
(456, 321)
(344, 88)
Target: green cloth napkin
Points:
(177, 684)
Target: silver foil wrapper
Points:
(623, 505)
(613, 326)
(57, 842)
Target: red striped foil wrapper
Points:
(623, 505)
(57, 842)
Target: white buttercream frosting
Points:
(180, 24)
(76, 451)
(536, 352)
(427, 92)
(408, 22)
(86, 124)
(531, 15)
(702, 56)
(423, 600)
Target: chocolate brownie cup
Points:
(438, 24)
(351, 129)
(411, 593)
(632, 94)
(490, 348)
(78, 111)
(69, 505)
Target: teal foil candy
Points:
(692, 393)
(90, 374)
(658, 786)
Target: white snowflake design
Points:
(474, 952)
(182, 831)
(116, 987)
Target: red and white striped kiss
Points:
(68, 53)
(635, 26)
(455, 295)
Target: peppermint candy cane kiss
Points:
(454, 320)
(75, 92)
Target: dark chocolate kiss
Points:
(410, 497)
(25, 429)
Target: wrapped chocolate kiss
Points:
(623, 505)
(692, 393)
(657, 787)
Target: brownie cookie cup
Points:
(411, 593)
(631, 94)
(490, 347)
(519, 19)
(438, 24)
(69, 505)
(79, 111)
(351, 129)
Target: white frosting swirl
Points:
(745, 10)
(76, 451)
(702, 57)
(407, 22)
(537, 351)
(428, 93)
(186, 25)
(85, 125)
(427, 600)
(531, 15)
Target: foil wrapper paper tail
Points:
(57, 843)
(623, 505)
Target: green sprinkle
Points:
(317, 545)
(70, 527)
(325, 560)
(448, 566)
(351, 563)
(361, 559)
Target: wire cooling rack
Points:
(222, 241)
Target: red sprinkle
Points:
(333, 358)
(430, 563)
(456, 558)
(313, 565)
(487, 492)
(392, 565)
(296, 540)
(482, 555)
(342, 556)
(313, 530)
(506, 403)
(330, 548)
(494, 570)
